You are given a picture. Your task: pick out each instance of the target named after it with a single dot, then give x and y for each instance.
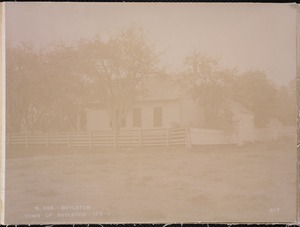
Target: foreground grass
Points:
(208, 184)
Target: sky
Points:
(246, 36)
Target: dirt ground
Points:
(253, 183)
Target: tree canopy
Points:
(214, 88)
(47, 89)
(116, 68)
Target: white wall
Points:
(211, 137)
(99, 119)
(244, 127)
(190, 114)
(170, 111)
(274, 130)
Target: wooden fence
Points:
(121, 138)
(200, 136)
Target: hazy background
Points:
(48, 93)
(246, 36)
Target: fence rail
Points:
(144, 137)
(121, 138)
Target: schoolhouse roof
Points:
(160, 87)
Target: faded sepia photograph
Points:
(150, 113)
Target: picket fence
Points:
(121, 138)
(144, 137)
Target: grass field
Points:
(207, 184)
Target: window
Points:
(157, 117)
(137, 117)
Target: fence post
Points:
(69, 139)
(90, 141)
(168, 137)
(115, 137)
(26, 139)
(141, 137)
(47, 139)
(188, 138)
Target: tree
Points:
(115, 69)
(210, 87)
(44, 92)
(286, 107)
(22, 91)
(65, 90)
(214, 89)
(257, 93)
(47, 90)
